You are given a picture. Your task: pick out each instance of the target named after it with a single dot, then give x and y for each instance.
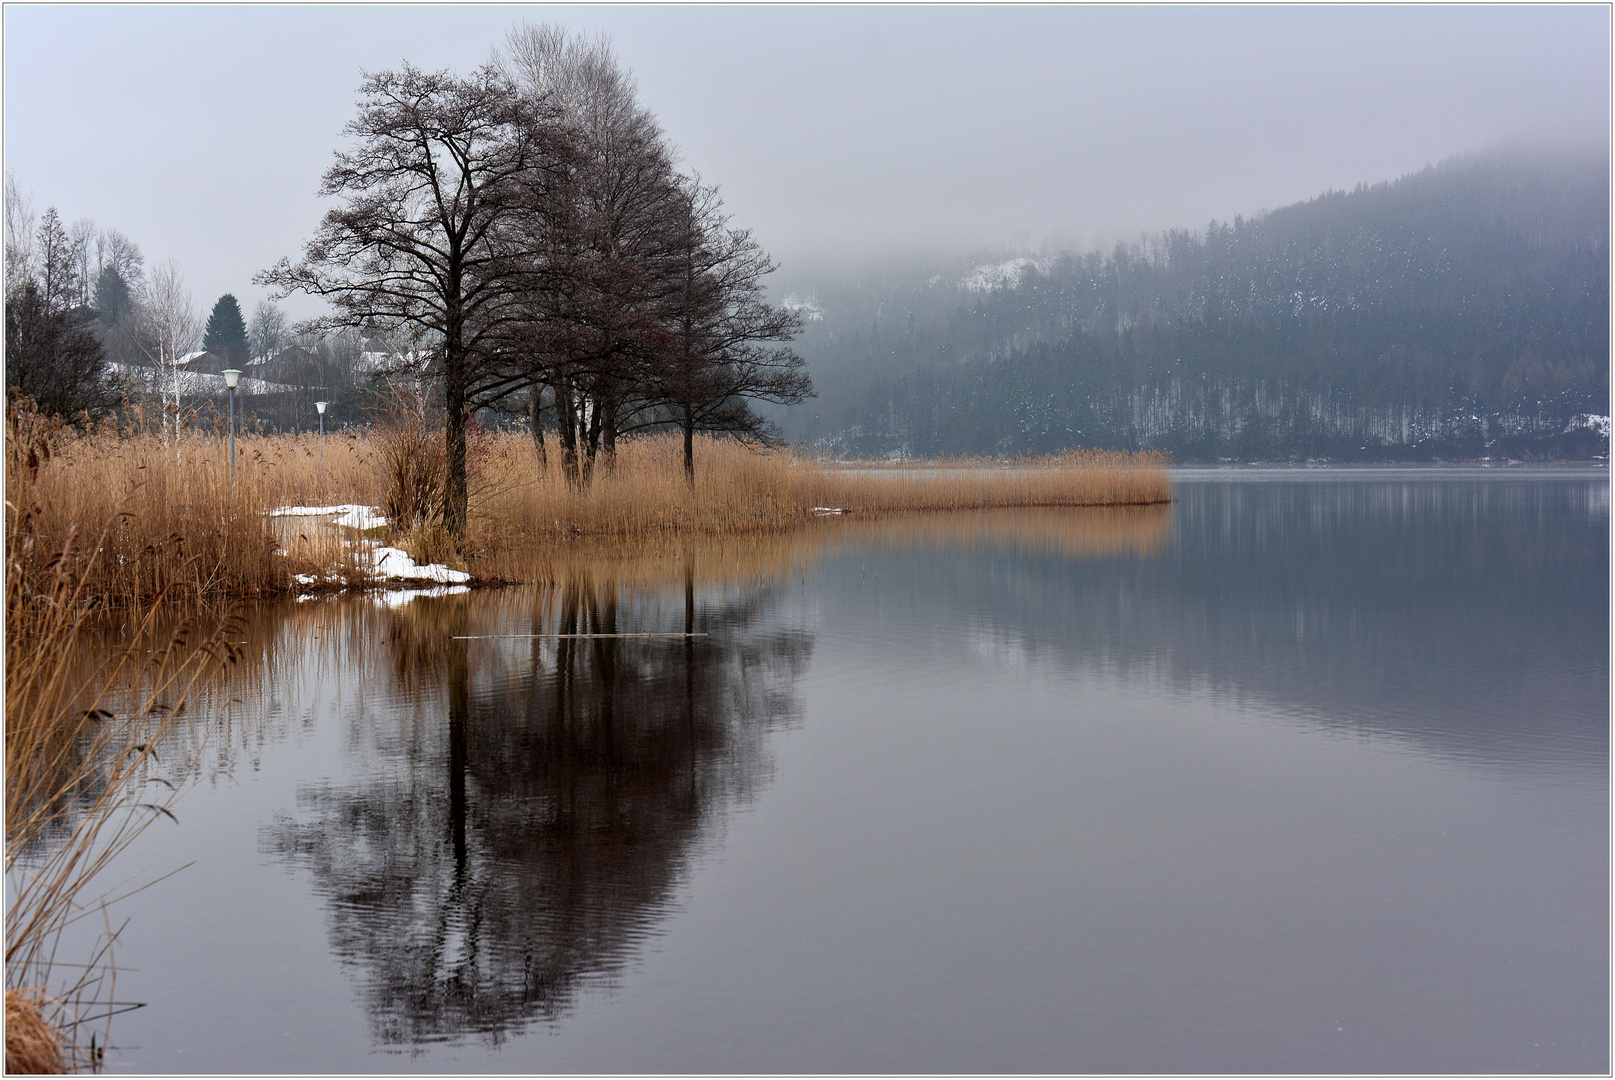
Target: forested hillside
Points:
(1459, 312)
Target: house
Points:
(202, 362)
(378, 356)
(290, 364)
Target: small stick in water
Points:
(491, 637)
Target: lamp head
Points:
(231, 377)
(320, 405)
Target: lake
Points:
(1308, 772)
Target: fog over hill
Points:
(1458, 312)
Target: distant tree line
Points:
(90, 331)
(523, 235)
(1460, 311)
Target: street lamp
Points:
(231, 377)
(320, 405)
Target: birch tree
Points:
(169, 329)
(19, 239)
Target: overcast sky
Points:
(836, 133)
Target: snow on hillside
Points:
(1006, 274)
(1591, 421)
(805, 306)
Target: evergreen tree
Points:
(226, 333)
(112, 297)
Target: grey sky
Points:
(837, 133)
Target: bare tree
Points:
(169, 329)
(117, 252)
(601, 251)
(269, 330)
(19, 237)
(722, 331)
(419, 239)
(80, 247)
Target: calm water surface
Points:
(1309, 772)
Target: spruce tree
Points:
(226, 333)
(112, 297)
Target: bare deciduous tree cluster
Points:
(54, 353)
(525, 230)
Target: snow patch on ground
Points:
(354, 515)
(310, 511)
(361, 518)
(386, 563)
(394, 564)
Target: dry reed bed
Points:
(181, 529)
(32, 1046)
(79, 729)
(162, 516)
(739, 489)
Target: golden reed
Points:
(80, 725)
(181, 528)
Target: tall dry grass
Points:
(79, 732)
(741, 489)
(181, 529)
(33, 1048)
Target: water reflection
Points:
(1134, 869)
(522, 790)
(1467, 618)
(524, 827)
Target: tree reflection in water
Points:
(488, 865)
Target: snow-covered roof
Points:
(196, 382)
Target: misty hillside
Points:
(1458, 312)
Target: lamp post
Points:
(320, 405)
(231, 377)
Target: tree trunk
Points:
(566, 420)
(591, 442)
(535, 417)
(454, 404)
(689, 445)
(608, 436)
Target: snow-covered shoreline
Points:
(353, 515)
(385, 565)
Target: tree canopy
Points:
(523, 236)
